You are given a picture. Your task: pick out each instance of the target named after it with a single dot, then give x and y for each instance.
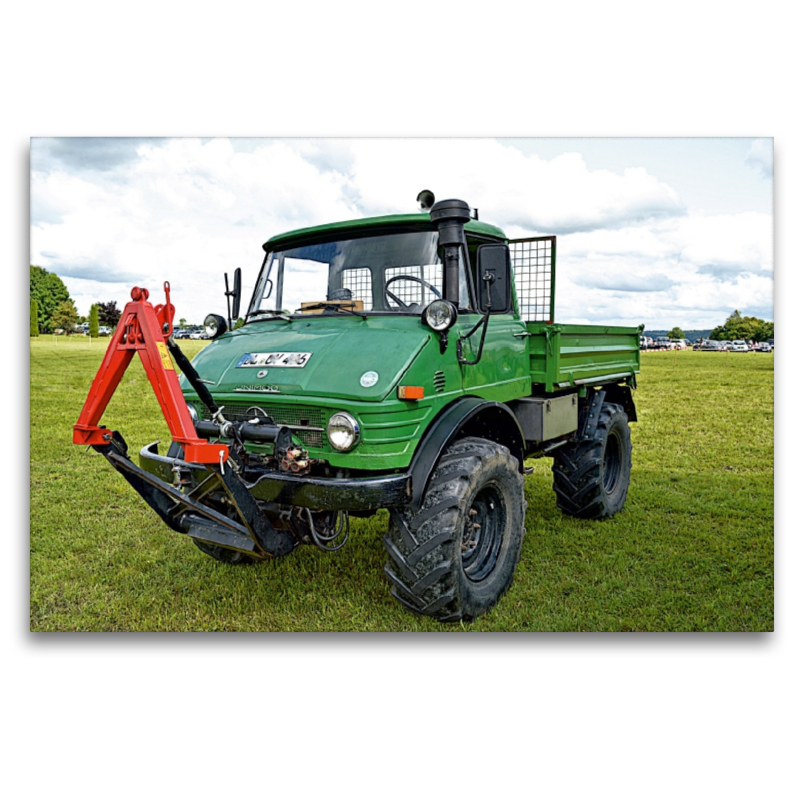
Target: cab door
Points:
(502, 371)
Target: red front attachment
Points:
(144, 329)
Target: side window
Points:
(359, 281)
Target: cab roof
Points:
(420, 221)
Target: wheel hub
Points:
(482, 536)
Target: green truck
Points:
(409, 362)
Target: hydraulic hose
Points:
(191, 375)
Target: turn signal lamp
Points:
(410, 392)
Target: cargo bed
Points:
(564, 356)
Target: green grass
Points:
(692, 550)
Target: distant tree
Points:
(676, 333)
(48, 290)
(767, 331)
(34, 317)
(739, 327)
(724, 331)
(94, 321)
(182, 322)
(108, 314)
(65, 316)
(238, 324)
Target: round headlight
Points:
(215, 326)
(440, 315)
(343, 431)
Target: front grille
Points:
(296, 417)
(438, 381)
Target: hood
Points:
(338, 353)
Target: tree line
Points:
(751, 329)
(747, 328)
(52, 308)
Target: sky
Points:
(660, 231)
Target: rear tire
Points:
(455, 557)
(591, 477)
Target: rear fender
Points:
(623, 396)
(469, 416)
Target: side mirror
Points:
(494, 278)
(237, 293)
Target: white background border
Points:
(393, 715)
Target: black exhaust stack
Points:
(450, 217)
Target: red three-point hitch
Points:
(145, 330)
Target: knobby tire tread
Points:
(578, 477)
(424, 549)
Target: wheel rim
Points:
(612, 463)
(482, 537)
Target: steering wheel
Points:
(400, 303)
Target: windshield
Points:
(397, 273)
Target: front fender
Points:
(468, 416)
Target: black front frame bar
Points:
(306, 491)
(247, 529)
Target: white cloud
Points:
(760, 157)
(731, 242)
(513, 190)
(691, 272)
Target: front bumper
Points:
(318, 494)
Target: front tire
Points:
(591, 477)
(456, 557)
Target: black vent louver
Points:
(438, 381)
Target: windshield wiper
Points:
(337, 306)
(271, 315)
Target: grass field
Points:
(691, 551)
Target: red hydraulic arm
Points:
(145, 330)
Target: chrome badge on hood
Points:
(274, 360)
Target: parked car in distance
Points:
(677, 344)
(104, 330)
(183, 333)
(711, 344)
(739, 346)
(763, 347)
(662, 343)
